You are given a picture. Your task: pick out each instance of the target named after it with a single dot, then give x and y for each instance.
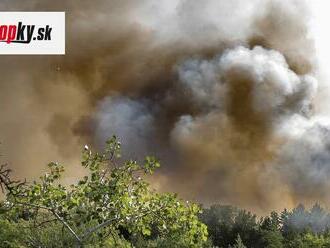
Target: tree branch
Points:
(94, 229)
(67, 226)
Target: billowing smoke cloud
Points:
(130, 120)
(225, 93)
(242, 95)
(246, 97)
(304, 160)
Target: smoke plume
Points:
(230, 95)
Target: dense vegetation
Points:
(113, 206)
(299, 228)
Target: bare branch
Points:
(6, 183)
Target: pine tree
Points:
(239, 242)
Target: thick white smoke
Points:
(244, 97)
(273, 82)
(128, 119)
(304, 161)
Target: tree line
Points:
(114, 206)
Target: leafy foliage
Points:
(112, 200)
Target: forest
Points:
(115, 206)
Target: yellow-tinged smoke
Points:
(226, 93)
